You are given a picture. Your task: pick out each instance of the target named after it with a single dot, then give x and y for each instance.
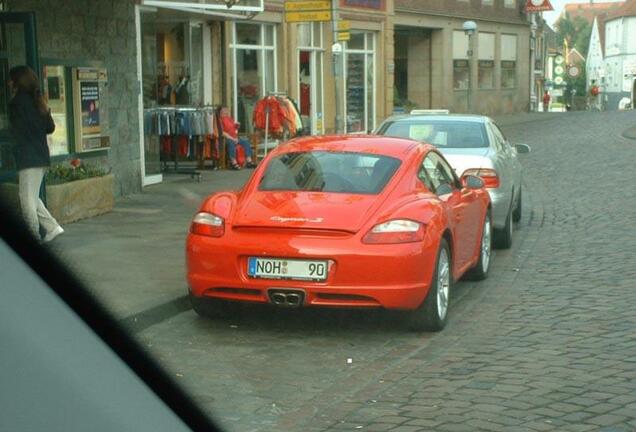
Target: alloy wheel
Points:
(486, 245)
(443, 284)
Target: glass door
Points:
(310, 74)
(155, 91)
(18, 46)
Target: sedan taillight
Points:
(395, 231)
(207, 224)
(488, 175)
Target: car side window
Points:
(435, 173)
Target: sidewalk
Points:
(133, 258)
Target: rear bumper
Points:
(388, 276)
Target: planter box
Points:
(81, 199)
(72, 201)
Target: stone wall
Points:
(99, 31)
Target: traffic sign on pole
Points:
(344, 25)
(304, 6)
(344, 36)
(308, 16)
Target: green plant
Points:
(74, 170)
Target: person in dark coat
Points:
(29, 122)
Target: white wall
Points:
(613, 37)
(629, 35)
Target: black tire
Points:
(480, 271)
(427, 316)
(516, 214)
(503, 237)
(212, 308)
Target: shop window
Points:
(360, 80)
(486, 74)
(509, 3)
(356, 42)
(487, 2)
(461, 65)
(461, 74)
(56, 94)
(508, 61)
(508, 74)
(310, 75)
(248, 34)
(486, 65)
(255, 66)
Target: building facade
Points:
(620, 55)
(148, 55)
(433, 65)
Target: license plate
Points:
(276, 268)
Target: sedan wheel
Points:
(480, 271)
(432, 313)
(503, 237)
(516, 214)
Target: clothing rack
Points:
(176, 169)
(266, 143)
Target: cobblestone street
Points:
(547, 342)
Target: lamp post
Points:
(470, 27)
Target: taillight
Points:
(207, 224)
(488, 175)
(395, 231)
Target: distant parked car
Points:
(343, 222)
(472, 144)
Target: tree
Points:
(576, 31)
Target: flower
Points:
(75, 163)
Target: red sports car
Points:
(345, 221)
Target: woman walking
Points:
(30, 121)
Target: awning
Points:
(225, 8)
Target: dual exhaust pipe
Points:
(287, 298)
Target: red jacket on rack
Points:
(276, 114)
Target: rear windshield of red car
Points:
(440, 133)
(340, 172)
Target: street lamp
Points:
(470, 27)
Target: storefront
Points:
(181, 58)
(438, 66)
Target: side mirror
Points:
(472, 182)
(522, 148)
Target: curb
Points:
(142, 320)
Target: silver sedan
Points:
(475, 145)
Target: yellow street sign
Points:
(308, 16)
(297, 6)
(344, 36)
(344, 25)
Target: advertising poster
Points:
(89, 95)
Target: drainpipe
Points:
(533, 41)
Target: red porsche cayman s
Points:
(344, 221)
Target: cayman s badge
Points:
(296, 219)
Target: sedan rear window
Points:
(442, 134)
(345, 172)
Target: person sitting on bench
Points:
(230, 132)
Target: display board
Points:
(89, 117)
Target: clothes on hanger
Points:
(281, 113)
